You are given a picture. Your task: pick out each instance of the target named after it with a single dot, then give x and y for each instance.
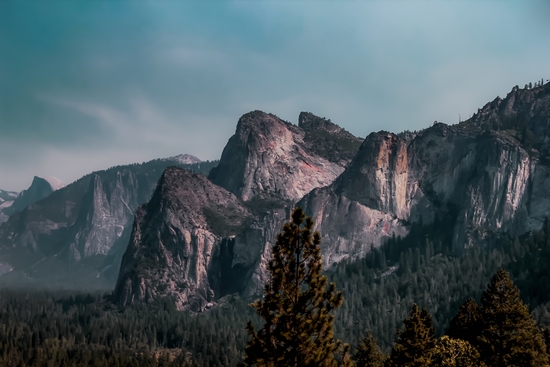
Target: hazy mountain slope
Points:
(76, 236)
(39, 189)
(6, 200)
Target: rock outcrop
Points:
(490, 171)
(491, 179)
(39, 189)
(76, 236)
(270, 159)
(266, 165)
(174, 249)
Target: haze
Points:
(89, 85)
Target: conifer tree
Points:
(449, 352)
(509, 336)
(466, 324)
(367, 353)
(414, 344)
(297, 305)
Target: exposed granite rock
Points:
(39, 189)
(76, 236)
(492, 179)
(268, 158)
(175, 244)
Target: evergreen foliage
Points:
(368, 353)
(414, 344)
(466, 324)
(297, 304)
(508, 335)
(56, 329)
(67, 329)
(449, 352)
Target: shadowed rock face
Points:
(175, 244)
(269, 158)
(76, 236)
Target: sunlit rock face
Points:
(269, 158)
(491, 170)
(225, 227)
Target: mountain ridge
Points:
(488, 179)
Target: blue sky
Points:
(85, 85)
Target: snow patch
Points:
(6, 204)
(185, 159)
(55, 183)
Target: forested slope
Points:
(379, 290)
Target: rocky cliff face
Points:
(489, 170)
(490, 176)
(76, 236)
(39, 189)
(266, 164)
(176, 242)
(269, 158)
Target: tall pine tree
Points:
(466, 324)
(415, 343)
(449, 352)
(508, 336)
(367, 353)
(297, 305)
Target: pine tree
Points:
(367, 353)
(297, 305)
(449, 352)
(509, 336)
(466, 324)
(414, 344)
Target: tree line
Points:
(40, 328)
(298, 324)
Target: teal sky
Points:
(85, 85)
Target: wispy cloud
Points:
(89, 85)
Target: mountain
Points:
(489, 174)
(39, 189)
(75, 237)
(226, 224)
(271, 159)
(176, 240)
(7, 196)
(185, 159)
(11, 202)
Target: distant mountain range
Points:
(74, 237)
(197, 231)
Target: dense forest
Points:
(73, 329)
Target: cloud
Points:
(94, 84)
